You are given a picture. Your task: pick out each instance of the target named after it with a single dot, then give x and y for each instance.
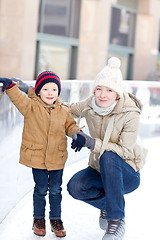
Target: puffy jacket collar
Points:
(128, 103)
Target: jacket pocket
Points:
(32, 145)
(62, 151)
(62, 147)
(30, 149)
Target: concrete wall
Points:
(147, 37)
(18, 29)
(94, 34)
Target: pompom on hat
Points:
(46, 77)
(110, 76)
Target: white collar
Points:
(102, 111)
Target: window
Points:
(53, 58)
(122, 27)
(60, 17)
(159, 39)
(57, 37)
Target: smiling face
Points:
(105, 96)
(49, 93)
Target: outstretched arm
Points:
(19, 99)
(22, 85)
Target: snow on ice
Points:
(81, 220)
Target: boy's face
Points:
(49, 93)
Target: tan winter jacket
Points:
(115, 132)
(44, 141)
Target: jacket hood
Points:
(131, 103)
(31, 93)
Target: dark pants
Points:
(105, 190)
(47, 181)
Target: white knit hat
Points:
(110, 76)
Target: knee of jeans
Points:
(108, 159)
(42, 191)
(74, 188)
(53, 190)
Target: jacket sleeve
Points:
(77, 108)
(98, 145)
(71, 126)
(127, 138)
(19, 99)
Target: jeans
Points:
(105, 190)
(47, 181)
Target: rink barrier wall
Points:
(75, 90)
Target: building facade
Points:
(75, 38)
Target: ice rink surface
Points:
(80, 219)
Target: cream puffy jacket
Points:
(44, 141)
(116, 132)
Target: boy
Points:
(44, 144)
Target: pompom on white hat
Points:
(110, 76)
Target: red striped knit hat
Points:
(46, 77)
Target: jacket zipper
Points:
(101, 127)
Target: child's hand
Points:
(7, 83)
(77, 142)
(89, 142)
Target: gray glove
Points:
(90, 142)
(22, 86)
